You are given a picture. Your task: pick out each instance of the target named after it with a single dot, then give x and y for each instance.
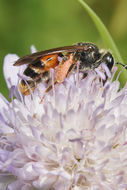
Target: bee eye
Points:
(108, 60)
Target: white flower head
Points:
(74, 140)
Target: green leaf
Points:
(107, 39)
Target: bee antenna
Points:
(124, 67)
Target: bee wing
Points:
(28, 59)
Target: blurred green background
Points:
(53, 23)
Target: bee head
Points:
(108, 59)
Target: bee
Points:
(63, 60)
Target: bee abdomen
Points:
(31, 73)
(27, 86)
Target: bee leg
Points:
(50, 87)
(47, 90)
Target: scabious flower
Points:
(76, 139)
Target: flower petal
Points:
(33, 49)
(5, 180)
(10, 72)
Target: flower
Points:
(75, 139)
